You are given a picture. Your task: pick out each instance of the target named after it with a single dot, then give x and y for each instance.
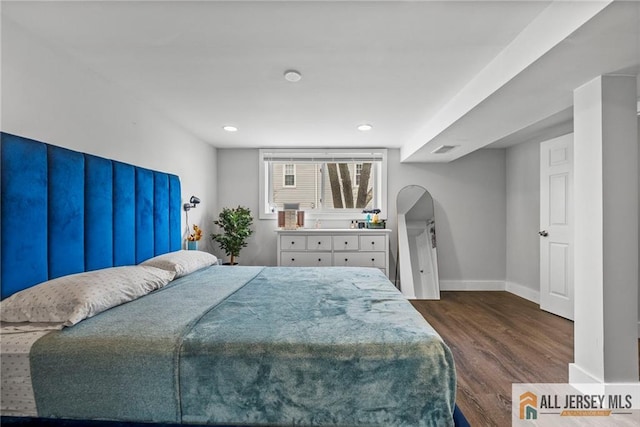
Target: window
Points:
(334, 184)
(289, 175)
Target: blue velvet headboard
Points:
(65, 212)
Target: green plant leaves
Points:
(236, 229)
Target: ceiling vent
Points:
(444, 149)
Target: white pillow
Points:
(182, 262)
(70, 299)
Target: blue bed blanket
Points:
(253, 345)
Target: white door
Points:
(556, 226)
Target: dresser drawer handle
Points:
(293, 243)
(319, 259)
(373, 259)
(346, 259)
(293, 259)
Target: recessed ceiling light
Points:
(364, 127)
(230, 128)
(292, 76)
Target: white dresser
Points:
(334, 247)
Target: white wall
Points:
(238, 185)
(469, 199)
(49, 97)
(523, 218)
(606, 231)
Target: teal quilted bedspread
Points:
(253, 345)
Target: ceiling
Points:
(422, 73)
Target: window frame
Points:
(323, 155)
(284, 175)
(357, 174)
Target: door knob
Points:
(543, 233)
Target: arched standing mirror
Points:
(417, 264)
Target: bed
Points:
(191, 342)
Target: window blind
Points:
(322, 157)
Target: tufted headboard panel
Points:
(65, 212)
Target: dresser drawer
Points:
(305, 259)
(290, 242)
(319, 243)
(339, 247)
(360, 259)
(346, 243)
(372, 243)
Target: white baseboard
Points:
(523, 291)
(492, 285)
(472, 285)
(577, 375)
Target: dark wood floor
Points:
(497, 339)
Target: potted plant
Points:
(236, 229)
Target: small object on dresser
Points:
(282, 216)
(382, 223)
(292, 217)
(290, 220)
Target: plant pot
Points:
(192, 245)
(228, 263)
